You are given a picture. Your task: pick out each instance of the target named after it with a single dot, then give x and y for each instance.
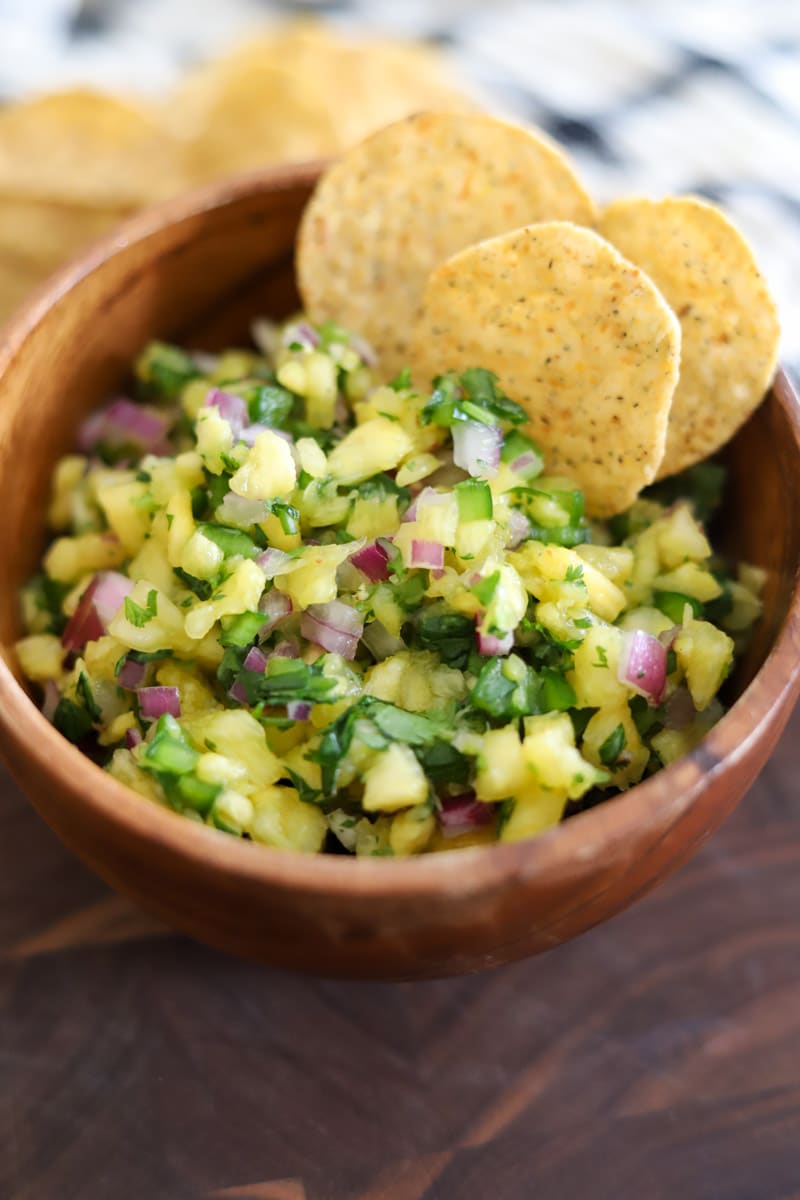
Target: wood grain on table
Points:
(658, 1056)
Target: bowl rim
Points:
(462, 871)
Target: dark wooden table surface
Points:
(659, 1056)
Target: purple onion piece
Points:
(643, 665)
(157, 702)
(298, 710)
(476, 448)
(231, 408)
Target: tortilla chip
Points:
(258, 115)
(45, 232)
(577, 335)
(405, 200)
(85, 148)
(707, 273)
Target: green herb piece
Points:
(672, 604)
(574, 574)
(71, 720)
(307, 793)
(202, 588)
(442, 763)
(267, 403)
(504, 810)
(482, 388)
(515, 445)
(557, 693)
(409, 592)
(286, 513)
(284, 680)
(507, 688)
(702, 485)
(645, 716)
(169, 752)
(241, 630)
(612, 747)
(474, 498)
(83, 690)
(165, 370)
(450, 634)
(232, 542)
(602, 657)
(139, 616)
(485, 588)
(218, 487)
(401, 381)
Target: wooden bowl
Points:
(196, 270)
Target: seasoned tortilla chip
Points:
(577, 335)
(82, 147)
(406, 199)
(707, 273)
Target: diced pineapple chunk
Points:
(595, 666)
(269, 471)
(101, 657)
(240, 593)
(152, 564)
(537, 562)
(40, 656)
(549, 748)
(284, 821)
(67, 476)
(412, 830)
(69, 558)
(503, 770)
(180, 525)
(312, 457)
(534, 810)
(162, 631)
(394, 780)
(706, 654)
(509, 601)
(615, 562)
(195, 696)
(651, 620)
(415, 680)
(201, 557)
(238, 735)
(691, 580)
(124, 769)
(633, 757)
(311, 577)
(377, 445)
(214, 438)
(117, 729)
(128, 510)
(681, 539)
(371, 519)
(416, 467)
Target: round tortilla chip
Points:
(402, 202)
(85, 148)
(241, 120)
(577, 335)
(707, 273)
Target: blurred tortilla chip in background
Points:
(75, 163)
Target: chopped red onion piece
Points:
(298, 710)
(519, 528)
(236, 692)
(132, 738)
(50, 700)
(380, 643)
(132, 675)
(489, 644)
(427, 554)
(476, 448)
(255, 660)
(643, 665)
(667, 638)
(679, 710)
(122, 422)
(238, 511)
(526, 464)
(155, 702)
(335, 627)
(232, 408)
(411, 512)
(289, 648)
(275, 607)
(363, 349)
(273, 561)
(301, 332)
(98, 605)
(372, 560)
(461, 814)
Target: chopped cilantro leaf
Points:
(139, 616)
(612, 747)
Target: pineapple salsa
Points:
(327, 615)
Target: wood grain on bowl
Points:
(197, 269)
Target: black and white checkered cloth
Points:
(649, 96)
